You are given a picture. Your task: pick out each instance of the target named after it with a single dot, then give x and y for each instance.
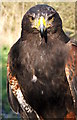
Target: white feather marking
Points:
(23, 103)
(42, 92)
(34, 79)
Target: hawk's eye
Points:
(50, 17)
(31, 18)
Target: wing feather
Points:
(71, 71)
(12, 99)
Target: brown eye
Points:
(31, 18)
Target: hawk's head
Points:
(41, 18)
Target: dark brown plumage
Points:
(37, 67)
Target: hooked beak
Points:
(42, 25)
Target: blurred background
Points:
(10, 31)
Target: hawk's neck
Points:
(59, 35)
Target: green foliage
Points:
(4, 78)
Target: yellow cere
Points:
(41, 21)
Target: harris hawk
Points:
(42, 68)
